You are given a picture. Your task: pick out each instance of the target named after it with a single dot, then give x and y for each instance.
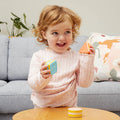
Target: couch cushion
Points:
(101, 95)
(2, 83)
(15, 97)
(3, 56)
(107, 56)
(20, 53)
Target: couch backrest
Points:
(20, 53)
(3, 56)
(79, 41)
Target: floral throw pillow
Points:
(107, 56)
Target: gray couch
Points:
(15, 56)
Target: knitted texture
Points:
(73, 69)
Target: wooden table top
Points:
(62, 114)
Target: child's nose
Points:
(61, 37)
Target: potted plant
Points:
(18, 27)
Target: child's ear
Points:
(43, 34)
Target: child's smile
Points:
(59, 36)
(60, 44)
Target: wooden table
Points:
(61, 114)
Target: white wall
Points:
(97, 15)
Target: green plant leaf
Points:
(21, 33)
(17, 25)
(24, 26)
(24, 17)
(12, 19)
(33, 26)
(17, 19)
(12, 31)
(1, 22)
(14, 15)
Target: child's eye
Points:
(55, 33)
(67, 32)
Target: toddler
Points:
(57, 28)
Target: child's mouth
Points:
(60, 44)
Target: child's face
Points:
(59, 36)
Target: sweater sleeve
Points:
(85, 72)
(35, 79)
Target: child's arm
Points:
(85, 74)
(35, 79)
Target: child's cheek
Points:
(51, 42)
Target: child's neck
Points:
(52, 49)
(55, 51)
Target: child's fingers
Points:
(92, 51)
(91, 46)
(45, 72)
(43, 64)
(46, 76)
(44, 67)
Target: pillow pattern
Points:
(107, 56)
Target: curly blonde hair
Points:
(52, 15)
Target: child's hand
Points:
(44, 72)
(92, 51)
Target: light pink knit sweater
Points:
(73, 69)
